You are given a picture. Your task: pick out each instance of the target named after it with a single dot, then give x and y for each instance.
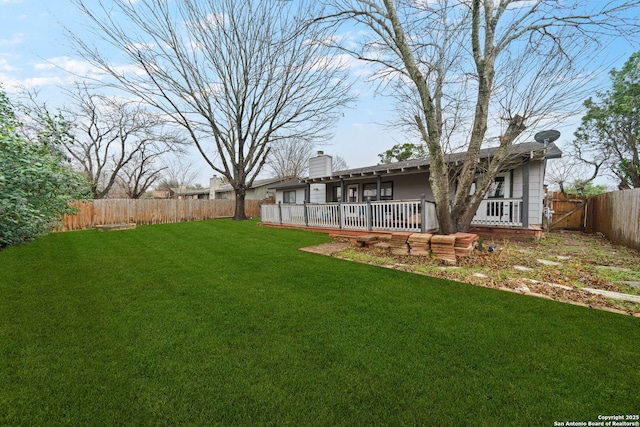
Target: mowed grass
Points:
(228, 323)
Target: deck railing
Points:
(402, 215)
(506, 212)
(392, 215)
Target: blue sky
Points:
(35, 54)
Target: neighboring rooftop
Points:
(294, 183)
(192, 192)
(257, 183)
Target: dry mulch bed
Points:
(579, 256)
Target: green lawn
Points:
(228, 323)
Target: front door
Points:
(352, 193)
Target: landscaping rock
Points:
(614, 295)
(420, 238)
(443, 247)
(419, 244)
(382, 245)
(549, 263)
(465, 243)
(398, 243)
(607, 267)
(630, 283)
(116, 227)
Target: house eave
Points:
(519, 152)
(368, 174)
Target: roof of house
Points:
(184, 192)
(519, 151)
(256, 184)
(295, 183)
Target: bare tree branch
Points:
(470, 72)
(238, 76)
(112, 140)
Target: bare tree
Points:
(339, 164)
(238, 76)
(461, 67)
(137, 176)
(290, 158)
(177, 173)
(112, 141)
(563, 173)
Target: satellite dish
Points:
(547, 136)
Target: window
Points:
(289, 196)
(370, 191)
(336, 194)
(386, 191)
(353, 193)
(497, 188)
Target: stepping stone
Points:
(522, 268)
(630, 283)
(549, 263)
(614, 295)
(553, 285)
(480, 275)
(563, 257)
(523, 288)
(608, 267)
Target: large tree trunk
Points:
(240, 214)
(438, 179)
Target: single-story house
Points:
(260, 189)
(182, 193)
(514, 200)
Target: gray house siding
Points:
(299, 195)
(411, 186)
(405, 187)
(523, 180)
(536, 192)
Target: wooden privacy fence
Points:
(569, 211)
(617, 216)
(151, 211)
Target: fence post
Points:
(423, 214)
(306, 214)
(369, 216)
(280, 212)
(589, 218)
